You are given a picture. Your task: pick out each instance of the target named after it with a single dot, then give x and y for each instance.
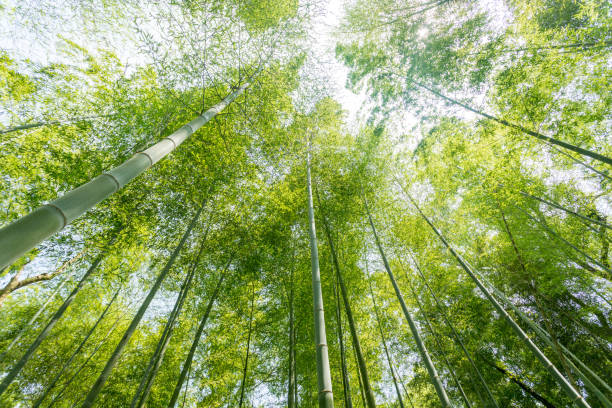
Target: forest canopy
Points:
(255, 203)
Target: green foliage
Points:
(475, 179)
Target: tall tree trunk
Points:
(565, 145)
(384, 341)
(550, 367)
(325, 395)
(53, 321)
(433, 374)
(158, 356)
(28, 231)
(248, 350)
(112, 361)
(512, 377)
(456, 336)
(349, 314)
(16, 283)
(346, 385)
(75, 353)
(290, 383)
(196, 340)
(33, 318)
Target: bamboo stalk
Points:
(30, 230)
(325, 394)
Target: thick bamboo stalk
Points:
(325, 395)
(433, 374)
(112, 361)
(572, 393)
(28, 231)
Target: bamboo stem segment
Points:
(25, 233)
(326, 398)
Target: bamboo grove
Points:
(191, 218)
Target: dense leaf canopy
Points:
(452, 236)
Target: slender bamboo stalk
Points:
(349, 314)
(555, 234)
(521, 384)
(33, 318)
(28, 231)
(325, 395)
(158, 357)
(456, 335)
(544, 336)
(52, 322)
(15, 283)
(112, 361)
(346, 386)
(53, 122)
(574, 395)
(248, 351)
(290, 383)
(399, 378)
(295, 373)
(91, 355)
(440, 348)
(565, 145)
(593, 169)
(433, 374)
(75, 353)
(196, 339)
(567, 210)
(363, 400)
(536, 295)
(384, 342)
(142, 393)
